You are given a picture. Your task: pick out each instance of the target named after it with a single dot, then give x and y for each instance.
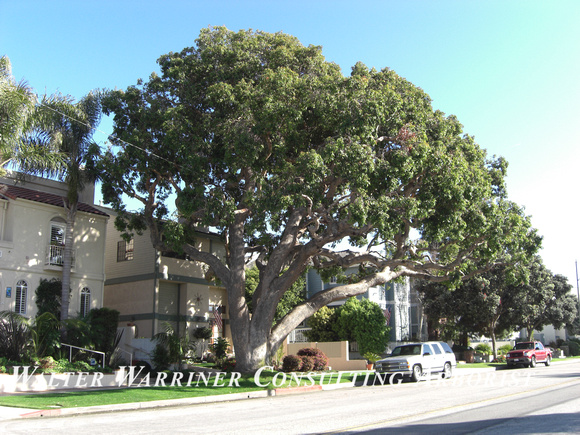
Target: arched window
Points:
(85, 301)
(20, 300)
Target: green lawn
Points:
(114, 396)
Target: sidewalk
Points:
(9, 413)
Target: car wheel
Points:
(447, 370)
(533, 362)
(417, 373)
(548, 360)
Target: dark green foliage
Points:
(285, 156)
(500, 300)
(15, 336)
(161, 358)
(220, 348)
(103, 324)
(48, 297)
(46, 334)
(202, 333)
(361, 321)
(291, 363)
(364, 322)
(573, 346)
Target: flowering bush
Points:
(291, 363)
(499, 359)
(229, 365)
(318, 357)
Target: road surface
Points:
(539, 400)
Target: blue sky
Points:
(509, 70)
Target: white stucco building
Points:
(32, 224)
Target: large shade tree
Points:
(501, 300)
(546, 299)
(262, 139)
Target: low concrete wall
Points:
(336, 351)
(23, 382)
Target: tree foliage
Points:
(363, 321)
(360, 321)
(264, 140)
(48, 296)
(322, 324)
(503, 299)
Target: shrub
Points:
(202, 333)
(320, 363)
(503, 350)
(220, 348)
(310, 351)
(47, 363)
(371, 357)
(160, 357)
(291, 363)
(229, 365)
(103, 328)
(573, 346)
(48, 296)
(15, 336)
(307, 363)
(318, 357)
(483, 348)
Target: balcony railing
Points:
(55, 256)
(297, 336)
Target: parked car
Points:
(528, 354)
(416, 360)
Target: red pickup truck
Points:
(529, 353)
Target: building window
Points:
(55, 255)
(57, 232)
(20, 302)
(85, 301)
(125, 250)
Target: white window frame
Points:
(20, 297)
(85, 306)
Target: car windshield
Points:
(524, 346)
(412, 349)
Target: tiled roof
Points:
(14, 192)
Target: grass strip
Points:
(113, 396)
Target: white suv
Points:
(416, 360)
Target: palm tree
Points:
(22, 142)
(70, 126)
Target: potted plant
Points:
(371, 358)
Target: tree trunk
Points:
(493, 343)
(530, 332)
(67, 264)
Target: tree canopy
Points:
(262, 139)
(502, 300)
